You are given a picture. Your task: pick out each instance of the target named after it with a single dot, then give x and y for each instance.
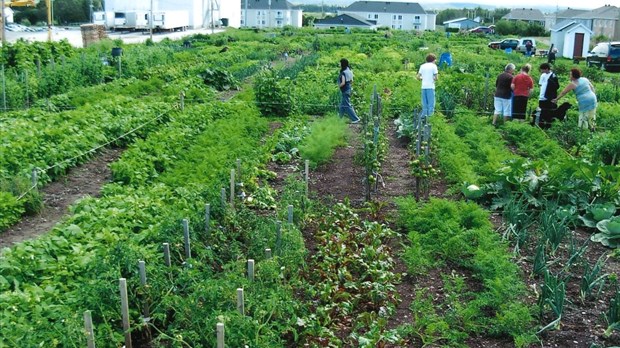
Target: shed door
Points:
(578, 47)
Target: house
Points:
(269, 14)
(571, 39)
(202, 13)
(395, 15)
(345, 21)
(461, 23)
(602, 21)
(528, 15)
(552, 19)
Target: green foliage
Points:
(326, 134)
(459, 234)
(272, 94)
(10, 210)
(219, 79)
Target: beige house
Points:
(602, 21)
(554, 18)
(528, 15)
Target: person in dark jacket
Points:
(549, 86)
(502, 100)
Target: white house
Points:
(395, 15)
(571, 38)
(202, 13)
(269, 14)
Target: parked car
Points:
(522, 45)
(481, 30)
(504, 44)
(605, 55)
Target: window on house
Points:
(400, 17)
(416, 27)
(369, 16)
(376, 16)
(393, 26)
(394, 17)
(417, 18)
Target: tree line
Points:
(63, 12)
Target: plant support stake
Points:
(188, 251)
(207, 217)
(125, 311)
(251, 270)
(232, 188)
(166, 254)
(88, 328)
(290, 214)
(240, 301)
(220, 335)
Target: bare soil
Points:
(79, 182)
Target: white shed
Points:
(572, 39)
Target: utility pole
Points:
(269, 14)
(245, 15)
(151, 21)
(3, 32)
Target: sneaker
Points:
(356, 121)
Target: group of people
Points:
(511, 92)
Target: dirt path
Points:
(81, 181)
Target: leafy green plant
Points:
(612, 316)
(272, 94)
(593, 277)
(325, 136)
(220, 79)
(609, 232)
(552, 297)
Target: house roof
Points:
(570, 13)
(526, 14)
(386, 7)
(345, 20)
(267, 4)
(568, 24)
(605, 12)
(456, 20)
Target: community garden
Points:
(243, 212)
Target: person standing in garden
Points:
(549, 86)
(344, 82)
(428, 73)
(586, 98)
(502, 100)
(522, 87)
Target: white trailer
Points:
(138, 20)
(170, 20)
(104, 18)
(120, 21)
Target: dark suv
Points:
(605, 55)
(504, 44)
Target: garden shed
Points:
(571, 38)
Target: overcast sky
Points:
(546, 4)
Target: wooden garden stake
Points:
(125, 311)
(142, 269)
(35, 177)
(232, 188)
(207, 217)
(240, 301)
(220, 335)
(182, 100)
(188, 251)
(88, 327)
(251, 270)
(290, 214)
(267, 253)
(278, 236)
(238, 169)
(167, 254)
(307, 174)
